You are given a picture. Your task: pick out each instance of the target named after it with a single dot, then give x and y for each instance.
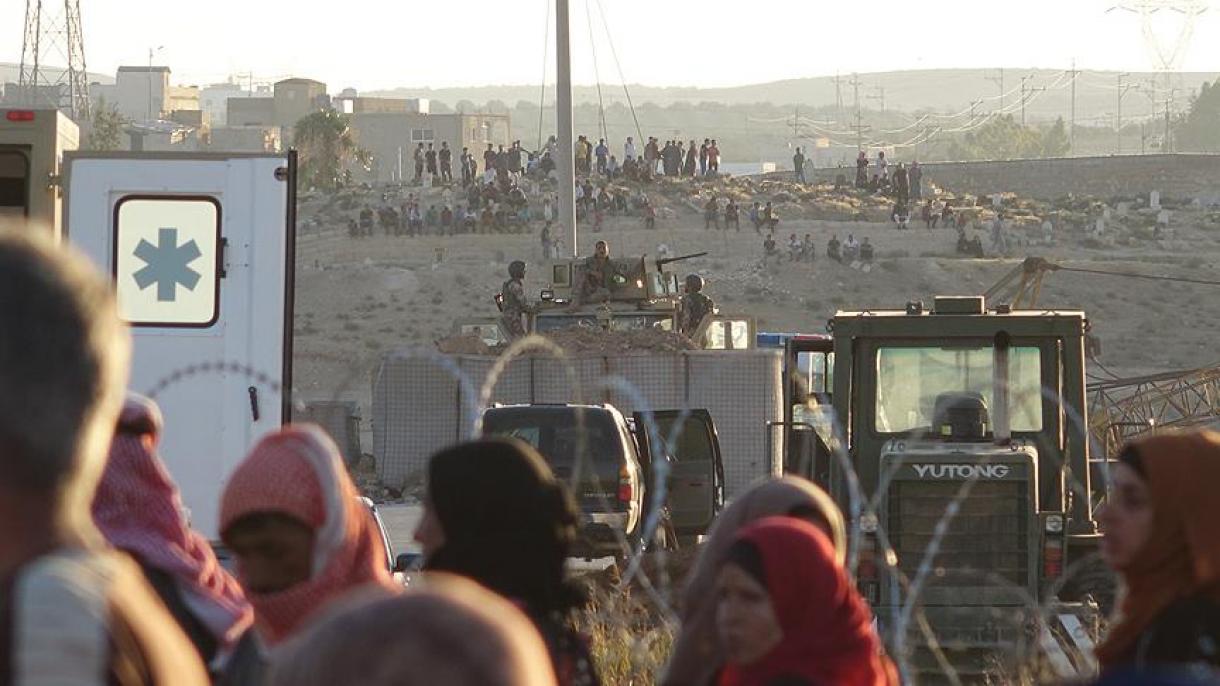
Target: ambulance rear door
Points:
(201, 249)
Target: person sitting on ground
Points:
(788, 612)
(487, 221)
(875, 184)
(756, 216)
(769, 247)
(946, 215)
(301, 535)
(495, 513)
(928, 215)
(731, 217)
(697, 655)
(866, 251)
(851, 249)
(833, 248)
(794, 248)
(72, 610)
(808, 251)
(432, 218)
(603, 199)
(1160, 536)
(447, 221)
(138, 509)
(976, 246)
(612, 168)
(711, 214)
(452, 632)
(901, 216)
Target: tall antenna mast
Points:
(53, 36)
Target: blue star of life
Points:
(167, 264)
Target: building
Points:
(244, 139)
(391, 137)
(142, 93)
(289, 102)
(250, 112)
(183, 98)
(297, 98)
(214, 99)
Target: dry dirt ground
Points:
(359, 298)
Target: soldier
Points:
(513, 304)
(601, 276)
(694, 306)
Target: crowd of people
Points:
(103, 580)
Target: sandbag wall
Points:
(420, 407)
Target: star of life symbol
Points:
(167, 264)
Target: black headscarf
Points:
(508, 523)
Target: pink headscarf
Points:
(138, 509)
(297, 471)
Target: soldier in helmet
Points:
(514, 304)
(694, 306)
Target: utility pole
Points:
(1025, 90)
(1000, 82)
(53, 34)
(838, 98)
(1118, 118)
(566, 164)
(855, 85)
(878, 94)
(1072, 126)
(1166, 146)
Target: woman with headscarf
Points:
(138, 508)
(692, 160)
(449, 632)
(787, 613)
(300, 534)
(1161, 536)
(697, 654)
(496, 514)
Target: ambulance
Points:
(201, 250)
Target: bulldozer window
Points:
(14, 183)
(910, 379)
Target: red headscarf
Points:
(297, 472)
(1181, 558)
(138, 509)
(827, 630)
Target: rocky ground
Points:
(358, 298)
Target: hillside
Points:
(941, 90)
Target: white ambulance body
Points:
(201, 249)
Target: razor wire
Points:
(906, 614)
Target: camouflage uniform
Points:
(596, 283)
(692, 308)
(514, 307)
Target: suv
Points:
(612, 487)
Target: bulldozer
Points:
(958, 435)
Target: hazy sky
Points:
(384, 43)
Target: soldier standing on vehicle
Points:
(513, 304)
(694, 306)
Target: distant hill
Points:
(939, 90)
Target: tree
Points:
(106, 130)
(1003, 138)
(1055, 140)
(1199, 129)
(328, 149)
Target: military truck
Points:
(956, 406)
(642, 295)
